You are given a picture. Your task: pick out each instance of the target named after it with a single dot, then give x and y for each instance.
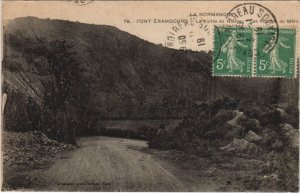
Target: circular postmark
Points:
(82, 2)
(188, 35)
(246, 28)
(261, 20)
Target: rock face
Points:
(27, 150)
(242, 146)
(253, 137)
(286, 127)
(234, 121)
(291, 135)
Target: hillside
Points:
(119, 76)
(124, 73)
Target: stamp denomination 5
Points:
(279, 61)
(234, 55)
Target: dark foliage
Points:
(63, 100)
(207, 126)
(204, 123)
(92, 72)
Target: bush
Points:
(249, 124)
(293, 118)
(163, 141)
(232, 132)
(209, 129)
(198, 146)
(221, 118)
(270, 136)
(253, 112)
(273, 117)
(205, 122)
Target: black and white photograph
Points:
(150, 96)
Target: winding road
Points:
(111, 164)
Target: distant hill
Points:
(126, 77)
(125, 74)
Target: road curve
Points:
(110, 164)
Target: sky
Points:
(115, 13)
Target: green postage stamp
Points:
(248, 52)
(233, 51)
(278, 61)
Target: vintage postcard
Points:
(150, 96)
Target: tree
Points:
(60, 106)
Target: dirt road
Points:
(113, 164)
